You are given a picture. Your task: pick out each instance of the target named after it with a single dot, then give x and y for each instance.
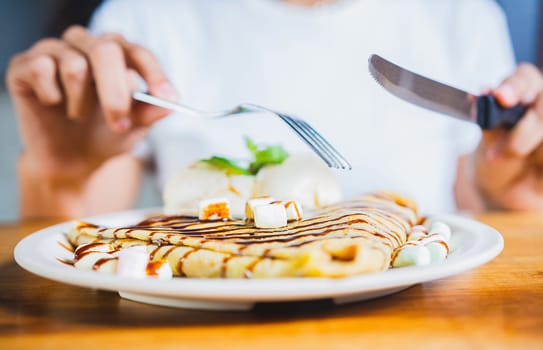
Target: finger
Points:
(146, 65)
(494, 170)
(144, 114)
(133, 79)
(74, 72)
(109, 68)
(492, 144)
(528, 133)
(158, 84)
(35, 74)
(520, 88)
(77, 81)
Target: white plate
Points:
(472, 244)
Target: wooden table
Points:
(498, 305)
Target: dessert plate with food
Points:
(275, 230)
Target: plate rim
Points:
(235, 290)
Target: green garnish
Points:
(262, 156)
(227, 165)
(251, 145)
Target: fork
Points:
(306, 132)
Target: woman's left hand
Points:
(509, 164)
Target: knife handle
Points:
(491, 115)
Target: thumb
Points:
(146, 114)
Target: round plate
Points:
(472, 244)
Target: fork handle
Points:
(162, 103)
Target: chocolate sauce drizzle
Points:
(377, 218)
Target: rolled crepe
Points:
(352, 237)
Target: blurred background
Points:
(22, 22)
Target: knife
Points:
(430, 94)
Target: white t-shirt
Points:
(312, 62)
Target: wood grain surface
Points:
(496, 306)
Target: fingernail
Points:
(123, 124)
(166, 91)
(505, 94)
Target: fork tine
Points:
(315, 142)
(306, 132)
(309, 135)
(325, 146)
(321, 140)
(322, 145)
(305, 137)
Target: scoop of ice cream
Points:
(303, 178)
(184, 192)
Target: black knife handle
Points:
(491, 115)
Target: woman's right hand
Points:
(73, 100)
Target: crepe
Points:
(352, 237)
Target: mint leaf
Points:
(262, 156)
(227, 165)
(267, 156)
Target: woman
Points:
(85, 139)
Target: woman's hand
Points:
(78, 122)
(509, 164)
(72, 99)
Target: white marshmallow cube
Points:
(421, 228)
(270, 215)
(438, 252)
(214, 209)
(254, 202)
(416, 235)
(133, 262)
(159, 269)
(294, 210)
(417, 232)
(412, 255)
(441, 228)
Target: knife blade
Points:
(414, 88)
